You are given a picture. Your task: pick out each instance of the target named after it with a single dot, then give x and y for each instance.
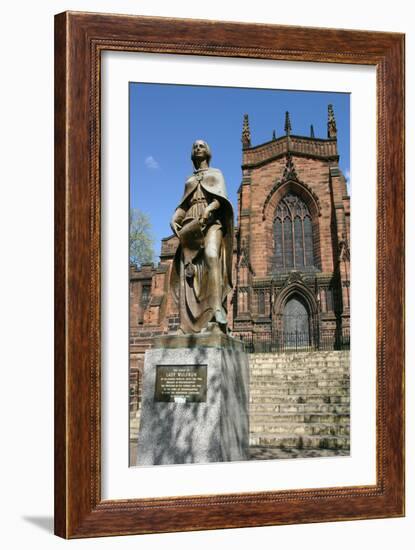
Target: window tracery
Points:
(293, 234)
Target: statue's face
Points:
(200, 150)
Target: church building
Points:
(291, 259)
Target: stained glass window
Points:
(261, 302)
(293, 234)
(287, 243)
(308, 241)
(279, 259)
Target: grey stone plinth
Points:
(216, 430)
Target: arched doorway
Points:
(296, 323)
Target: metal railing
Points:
(280, 341)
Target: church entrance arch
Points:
(296, 316)
(296, 323)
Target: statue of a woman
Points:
(202, 268)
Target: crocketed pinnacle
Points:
(331, 123)
(287, 126)
(246, 133)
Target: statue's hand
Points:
(175, 226)
(207, 214)
(176, 221)
(204, 218)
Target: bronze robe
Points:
(192, 293)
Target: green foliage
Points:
(141, 238)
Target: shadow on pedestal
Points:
(199, 412)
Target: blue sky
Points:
(165, 120)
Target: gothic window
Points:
(145, 295)
(329, 299)
(243, 300)
(261, 302)
(293, 234)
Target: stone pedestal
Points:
(194, 406)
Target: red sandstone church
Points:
(291, 259)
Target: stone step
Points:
(289, 374)
(275, 359)
(275, 370)
(300, 399)
(300, 442)
(134, 424)
(275, 363)
(275, 381)
(299, 391)
(299, 363)
(304, 354)
(299, 428)
(297, 366)
(299, 384)
(309, 418)
(313, 408)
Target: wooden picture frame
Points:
(79, 40)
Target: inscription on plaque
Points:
(181, 383)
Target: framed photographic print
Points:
(229, 275)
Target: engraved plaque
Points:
(181, 383)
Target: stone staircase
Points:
(134, 426)
(300, 400)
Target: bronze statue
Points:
(202, 268)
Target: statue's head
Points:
(201, 151)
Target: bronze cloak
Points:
(214, 184)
